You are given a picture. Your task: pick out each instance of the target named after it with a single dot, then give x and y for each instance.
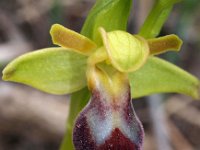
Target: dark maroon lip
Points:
(84, 138)
(84, 141)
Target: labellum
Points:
(109, 121)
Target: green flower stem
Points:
(78, 101)
(157, 17)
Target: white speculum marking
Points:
(100, 129)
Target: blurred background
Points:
(33, 120)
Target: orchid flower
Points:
(109, 120)
(115, 66)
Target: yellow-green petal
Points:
(126, 52)
(163, 44)
(160, 76)
(70, 39)
(53, 70)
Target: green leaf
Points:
(78, 101)
(159, 76)
(156, 18)
(109, 14)
(53, 70)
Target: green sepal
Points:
(53, 70)
(160, 76)
(109, 14)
